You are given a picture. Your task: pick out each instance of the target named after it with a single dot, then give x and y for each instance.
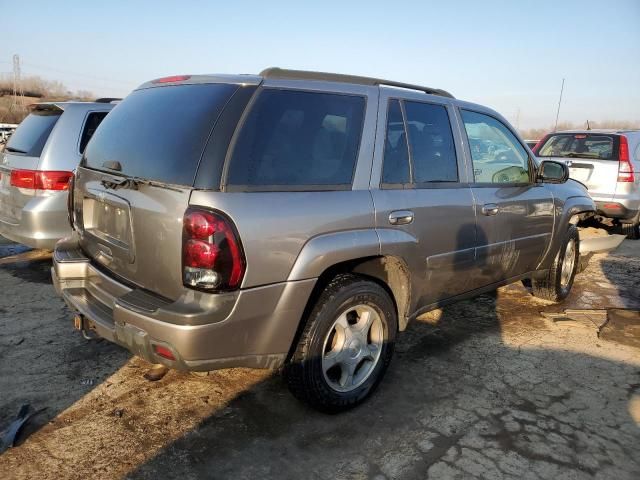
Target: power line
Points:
(68, 72)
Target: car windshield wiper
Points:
(134, 182)
(580, 155)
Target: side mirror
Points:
(551, 171)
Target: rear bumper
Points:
(43, 221)
(249, 328)
(613, 209)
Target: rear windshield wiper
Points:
(14, 150)
(134, 182)
(581, 155)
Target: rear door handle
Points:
(401, 217)
(490, 209)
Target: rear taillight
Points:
(625, 167)
(212, 257)
(41, 179)
(70, 202)
(539, 144)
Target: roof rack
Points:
(275, 72)
(107, 100)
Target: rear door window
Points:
(295, 138)
(395, 169)
(431, 143)
(578, 145)
(159, 133)
(90, 125)
(31, 135)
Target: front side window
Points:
(296, 138)
(431, 143)
(498, 156)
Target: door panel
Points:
(514, 214)
(424, 214)
(512, 241)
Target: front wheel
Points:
(345, 347)
(557, 282)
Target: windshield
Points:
(32, 134)
(578, 145)
(158, 133)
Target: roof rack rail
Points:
(275, 72)
(107, 100)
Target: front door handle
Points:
(490, 209)
(401, 217)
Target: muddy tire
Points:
(631, 230)
(557, 283)
(345, 347)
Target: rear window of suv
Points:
(32, 134)
(578, 145)
(159, 133)
(298, 139)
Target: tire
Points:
(553, 286)
(335, 334)
(631, 230)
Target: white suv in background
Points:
(608, 163)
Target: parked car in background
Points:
(302, 219)
(36, 166)
(6, 129)
(608, 163)
(531, 143)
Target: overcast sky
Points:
(509, 55)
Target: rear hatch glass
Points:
(158, 133)
(579, 145)
(32, 134)
(592, 158)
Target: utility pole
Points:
(559, 102)
(18, 92)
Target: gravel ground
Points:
(484, 389)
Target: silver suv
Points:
(608, 163)
(302, 219)
(36, 166)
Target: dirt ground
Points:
(487, 388)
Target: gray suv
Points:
(608, 163)
(302, 219)
(36, 166)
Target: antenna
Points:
(559, 102)
(588, 126)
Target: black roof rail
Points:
(107, 100)
(275, 72)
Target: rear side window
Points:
(578, 145)
(93, 120)
(431, 143)
(32, 134)
(159, 133)
(295, 138)
(396, 153)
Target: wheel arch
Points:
(390, 272)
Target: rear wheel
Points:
(557, 282)
(345, 347)
(632, 230)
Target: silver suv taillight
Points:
(212, 256)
